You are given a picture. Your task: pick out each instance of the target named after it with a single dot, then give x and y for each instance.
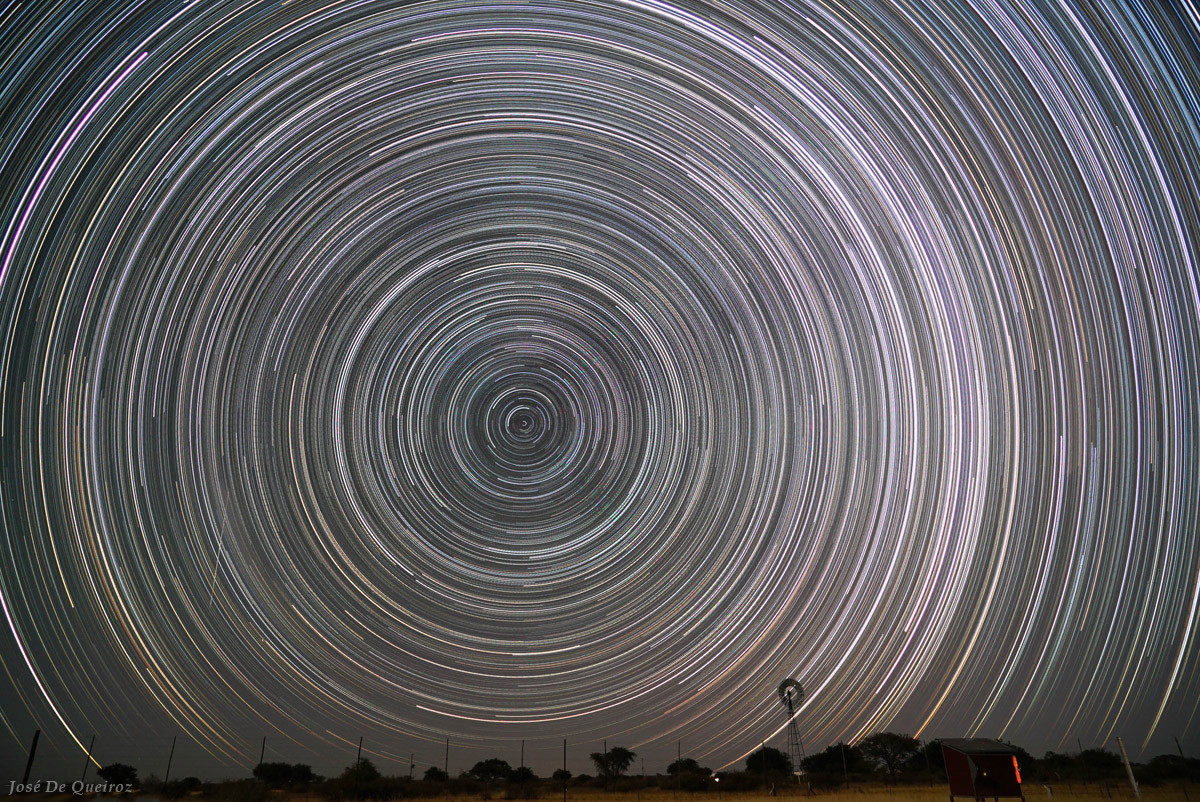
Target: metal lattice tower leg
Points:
(791, 694)
(795, 750)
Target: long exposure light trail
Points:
(556, 368)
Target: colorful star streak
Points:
(566, 369)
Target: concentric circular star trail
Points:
(574, 369)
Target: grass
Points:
(1076, 792)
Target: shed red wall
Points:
(958, 771)
(992, 775)
(998, 776)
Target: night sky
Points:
(553, 369)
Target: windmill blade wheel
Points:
(791, 693)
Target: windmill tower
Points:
(792, 696)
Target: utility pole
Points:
(171, 757)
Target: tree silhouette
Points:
(177, 789)
(832, 758)
(302, 774)
(118, 774)
(768, 760)
(828, 768)
(491, 770)
(281, 775)
(889, 751)
(614, 762)
(366, 772)
(687, 765)
(434, 774)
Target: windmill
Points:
(792, 696)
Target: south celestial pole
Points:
(564, 369)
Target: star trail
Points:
(567, 369)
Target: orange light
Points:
(1016, 769)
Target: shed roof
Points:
(978, 746)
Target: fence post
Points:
(87, 760)
(1128, 769)
(32, 751)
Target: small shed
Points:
(980, 768)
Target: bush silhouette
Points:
(119, 774)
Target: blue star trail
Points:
(565, 369)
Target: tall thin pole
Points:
(564, 770)
(32, 751)
(87, 761)
(678, 764)
(522, 751)
(1128, 769)
(846, 774)
(410, 764)
(800, 768)
(446, 765)
(1183, 762)
(263, 753)
(171, 757)
(357, 765)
